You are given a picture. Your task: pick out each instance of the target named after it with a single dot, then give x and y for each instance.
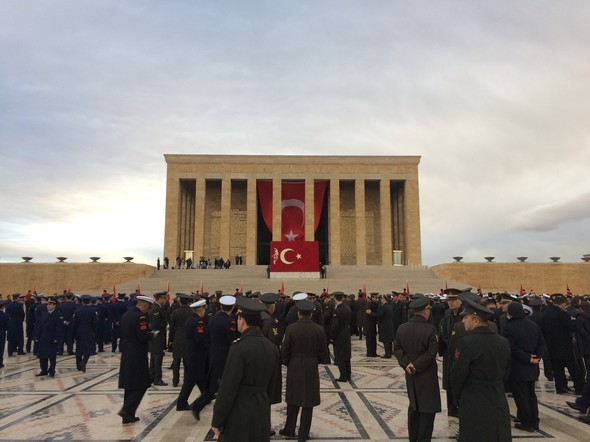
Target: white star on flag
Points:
(291, 236)
(298, 256)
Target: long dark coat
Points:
(84, 327)
(177, 320)
(370, 327)
(583, 332)
(446, 332)
(340, 332)
(134, 372)
(359, 311)
(303, 349)
(416, 341)
(557, 327)
(49, 334)
(271, 332)
(196, 349)
(242, 407)
(222, 332)
(525, 339)
(117, 310)
(16, 316)
(400, 314)
(481, 366)
(385, 319)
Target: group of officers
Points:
(232, 347)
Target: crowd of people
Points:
(232, 347)
(202, 263)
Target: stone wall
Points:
(539, 277)
(54, 278)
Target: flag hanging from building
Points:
(294, 256)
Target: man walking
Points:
(48, 336)
(134, 372)
(304, 347)
(84, 327)
(177, 320)
(157, 318)
(340, 335)
(415, 348)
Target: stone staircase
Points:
(348, 279)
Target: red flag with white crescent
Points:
(294, 256)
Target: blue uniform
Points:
(118, 309)
(48, 334)
(66, 312)
(16, 338)
(84, 327)
(3, 329)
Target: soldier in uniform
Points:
(196, 353)
(242, 408)
(303, 348)
(66, 310)
(84, 327)
(3, 329)
(134, 372)
(158, 321)
(48, 336)
(359, 311)
(371, 325)
(385, 320)
(450, 318)
(340, 336)
(482, 363)
(416, 346)
(16, 316)
(222, 332)
(177, 320)
(118, 309)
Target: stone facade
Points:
(212, 207)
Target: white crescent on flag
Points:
(295, 203)
(283, 258)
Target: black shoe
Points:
(196, 413)
(21, 353)
(43, 373)
(83, 368)
(183, 407)
(453, 413)
(161, 384)
(385, 357)
(52, 375)
(341, 380)
(175, 384)
(128, 419)
(585, 419)
(60, 354)
(523, 427)
(272, 433)
(71, 353)
(577, 406)
(283, 432)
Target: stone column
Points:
(251, 220)
(172, 221)
(334, 221)
(225, 216)
(385, 203)
(276, 208)
(361, 231)
(199, 217)
(309, 209)
(412, 222)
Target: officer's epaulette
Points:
(237, 340)
(156, 313)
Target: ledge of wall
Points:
(499, 276)
(48, 278)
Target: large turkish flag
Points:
(294, 256)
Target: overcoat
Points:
(222, 332)
(370, 327)
(416, 341)
(303, 349)
(482, 364)
(385, 318)
(84, 327)
(271, 332)
(446, 332)
(340, 332)
(196, 349)
(177, 320)
(49, 334)
(117, 310)
(134, 372)
(359, 311)
(525, 339)
(583, 332)
(16, 316)
(242, 408)
(557, 327)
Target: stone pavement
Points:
(83, 406)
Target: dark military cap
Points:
(60, 297)
(305, 306)
(464, 296)
(375, 295)
(52, 300)
(248, 306)
(452, 293)
(121, 295)
(86, 298)
(419, 303)
(416, 296)
(219, 292)
(506, 297)
(474, 308)
(16, 296)
(558, 298)
(248, 292)
(69, 295)
(2, 302)
(254, 295)
(159, 295)
(394, 293)
(185, 296)
(269, 298)
(309, 294)
(536, 302)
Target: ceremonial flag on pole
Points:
(328, 286)
(283, 287)
(168, 292)
(138, 287)
(202, 289)
(241, 286)
(70, 286)
(365, 289)
(114, 292)
(521, 291)
(446, 285)
(407, 287)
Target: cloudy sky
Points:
(495, 97)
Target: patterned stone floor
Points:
(83, 406)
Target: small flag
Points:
(446, 285)
(407, 287)
(282, 286)
(328, 286)
(114, 293)
(168, 292)
(521, 291)
(138, 287)
(70, 286)
(202, 290)
(364, 288)
(241, 286)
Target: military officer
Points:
(134, 372)
(222, 332)
(66, 310)
(242, 408)
(303, 348)
(371, 324)
(385, 320)
(196, 353)
(84, 327)
(415, 348)
(158, 321)
(48, 335)
(117, 310)
(450, 318)
(16, 316)
(340, 335)
(482, 363)
(177, 320)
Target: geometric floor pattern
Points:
(83, 406)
